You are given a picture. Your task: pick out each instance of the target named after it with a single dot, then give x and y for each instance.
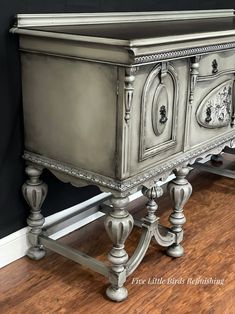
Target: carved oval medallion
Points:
(215, 110)
(160, 109)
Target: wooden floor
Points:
(57, 285)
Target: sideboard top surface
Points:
(143, 30)
(127, 38)
(130, 29)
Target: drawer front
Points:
(212, 112)
(216, 63)
(159, 105)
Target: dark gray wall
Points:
(13, 210)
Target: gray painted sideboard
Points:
(122, 100)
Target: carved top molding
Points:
(173, 54)
(155, 173)
(133, 37)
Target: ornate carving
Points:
(214, 66)
(129, 88)
(34, 192)
(157, 172)
(194, 72)
(182, 53)
(180, 190)
(216, 109)
(118, 225)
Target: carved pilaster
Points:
(129, 89)
(126, 127)
(152, 206)
(118, 225)
(194, 72)
(34, 192)
(180, 190)
(233, 102)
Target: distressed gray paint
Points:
(122, 113)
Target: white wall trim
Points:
(15, 245)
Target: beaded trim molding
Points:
(182, 53)
(125, 185)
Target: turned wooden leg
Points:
(151, 205)
(217, 158)
(118, 224)
(34, 192)
(180, 190)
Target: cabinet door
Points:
(159, 111)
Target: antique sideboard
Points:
(122, 100)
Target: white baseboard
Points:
(15, 245)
